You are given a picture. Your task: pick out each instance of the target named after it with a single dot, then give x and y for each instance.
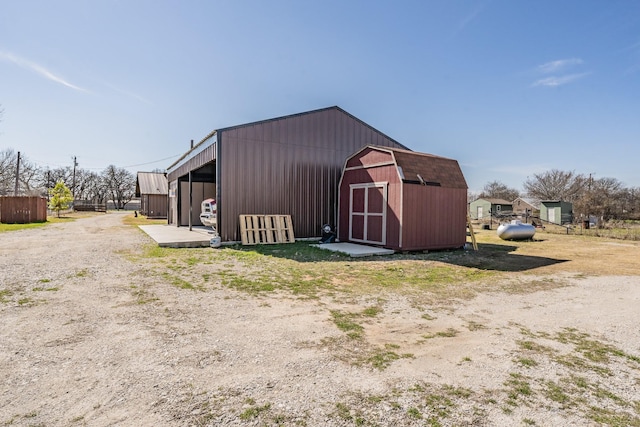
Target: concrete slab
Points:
(354, 250)
(170, 236)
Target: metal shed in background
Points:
(556, 211)
(288, 165)
(402, 200)
(152, 189)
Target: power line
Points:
(149, 163)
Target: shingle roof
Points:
(434, 170)
(151, 183)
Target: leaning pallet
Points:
(266, 229)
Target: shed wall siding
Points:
(386, 174)
(291, 166)
(155, 205)
(22, 209)
(434, 217)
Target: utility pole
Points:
(73, 185)
(15, 193)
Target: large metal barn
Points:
(288, 165)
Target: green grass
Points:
(383, 357)
(4, 293)
(448, 333)
(309, 272)
(50, 220)
(254, 411)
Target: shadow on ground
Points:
(492, 257)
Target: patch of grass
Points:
(41, 289)
(534, 347)
(605, 416)
(593, 350)
(345, 322)
(82, 273)
(178, 282)
(449, 333)
(526, 362)
(556, 393)
(25, 301)
(4, 293)
(440, 404)
(254, 412)
(414, 413)
(15, 227)
(475, 326)
(44, 280)
(518, 388)
(460, 392)
(383, 357)
(371, 311)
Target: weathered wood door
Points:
(368, 213)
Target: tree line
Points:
(112, 184)
(605, 198)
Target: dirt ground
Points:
(77, 347)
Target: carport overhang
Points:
(196, 168)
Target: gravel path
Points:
(77, 347)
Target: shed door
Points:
(368, 213)
(552, 215)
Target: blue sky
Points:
(508, 88)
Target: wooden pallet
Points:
(266, 229)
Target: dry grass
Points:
(567, 253)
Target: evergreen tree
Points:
(61, 197)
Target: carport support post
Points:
(190, 200)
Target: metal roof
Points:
(151, 183)
(494, 201)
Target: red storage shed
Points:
(402, 200)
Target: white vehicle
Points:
(208, 213)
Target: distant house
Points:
(525, 207)
(556, 212)
(485, 207)
(153, 190)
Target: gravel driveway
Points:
(79, 347)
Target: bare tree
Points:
(120, 185)
(28, 176)
(498, 190)
(8, 160)
(556, 185)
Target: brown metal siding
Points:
(22, 209)
(289, 165)
(434, 217)
(156, 206)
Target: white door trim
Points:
(366, 214)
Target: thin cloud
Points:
(39, 69)
(469, 18)
(559, 65)
(555, 81)
(127, 93)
